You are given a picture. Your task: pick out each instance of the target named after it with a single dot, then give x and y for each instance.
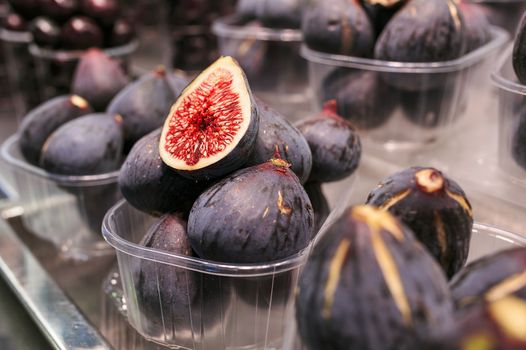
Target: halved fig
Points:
(212, 127)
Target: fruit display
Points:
(434, 207)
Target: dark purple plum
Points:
(80, 33)
(277, 137)
(435, 207)
(42, 121)
(257, 214)
(151, 186)
(46, 32)
(88, 145)
(334, 143)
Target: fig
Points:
(498, 325)
(280, 13)
(518, 140)
(91, 144)
(248, 9)
(28, 9)
(42, 121)
(105, 11)
(59, 10)
(46, 32)
(335, 145)
(369, 284)
(423, 31)
(211, 129)
(434, 207)
(519, 51)
(490, 278)
(257, 214)
(151, 186)
(340, 27)
(381, 11)
(277, 137)
(98, 78)
(477, 26)
(143, 105)
(80, 33)
(319, 203)
(361, 97)
(14, 22)
(122, 33)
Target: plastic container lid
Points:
(507, 80)
(224, 27)
(73, 55)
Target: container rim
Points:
(502, 82)
(508, 236)
(498, 38)
(12, 36)
(6, 153)
(223, 27)
(72, 55)
(193, 263)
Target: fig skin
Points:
(81, 33)
(281, 13)
(477, 26)
(381, 13)
(278, 137)
(46, 32)
(42, 121)
(339, 27)
(423, 31)
(480, 281)
(151, 186)
(59, 10)
(122, 33)
(518, 140)
(434, 207)
(98, 79)
(361, 96)
(91, 144)
(255, 215)
(143, 105)
(369, 284)
(519, 51)
(105, 11)
(334, 143)
(319, 202)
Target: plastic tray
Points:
(272, 62)
(413, 104)
(66, 210)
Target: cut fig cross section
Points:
(212, 127)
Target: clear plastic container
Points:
(272, 62)
(485, 240)
(403, 106)
(211, 305)
(55, 68)
(66, 210)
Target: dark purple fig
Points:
(104, 11)
(98, 79)
(477, 28)
(491, 278)
(381, 11)
(80, 33)
(258, 214)
(143, 105)
(319, 202)
(423, 31)
(340, 27)
(212, 127)
(14, 22)
(518, 139)
(42, 121)
(46, 32)
(361, 97)
(28, 9)
(280, 13)
(88, 145)
(59, 10)
(151, 186)
(434, 207)
(122, 33)
(335, 145)
(519, 51)
(277, 137)
(496, 325)
(369, 284)
(248, 9)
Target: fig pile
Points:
(376, 280)
(71, 24)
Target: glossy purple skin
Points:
(59, 10)
(258, 214)
(122, 33)
(477, 26)
(105, 11)
(80, 33)
(14, 22)
(46, 32)
(519, 51)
